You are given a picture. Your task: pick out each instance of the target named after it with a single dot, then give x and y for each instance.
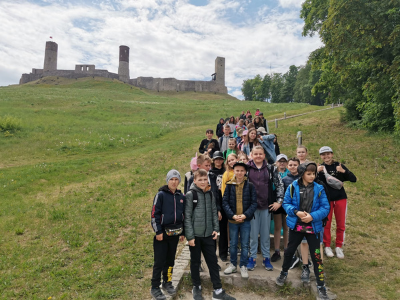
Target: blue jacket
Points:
(267, 142)
(249, 199)
(320, 208)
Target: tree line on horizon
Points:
(358, 65)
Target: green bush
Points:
(10, 123)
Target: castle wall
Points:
(217, 85)
(172, 84)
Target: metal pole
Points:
(299, 138)
(276, 123)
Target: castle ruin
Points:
(216, 85)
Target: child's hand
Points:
(320, 168)
(340, 169)
(242, 217)
(275, 206)
(181, 238)
(219, 216)
(307, 219)
(191, 243)
(301, 214)
(214, 235)
(159, 237)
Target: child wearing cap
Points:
(167, 223)
(239, 203)
(218, 169)
(201, 231)
(279, 213)
(306, 205)
(338, 199)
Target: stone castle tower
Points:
(50, 56)
(123, 68)
(220, 71)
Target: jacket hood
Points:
(252, 164)
(302, 168)
(165, 188)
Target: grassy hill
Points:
(77, 183)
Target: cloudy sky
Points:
(167, 38)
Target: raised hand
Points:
(340, 169)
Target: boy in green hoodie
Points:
(201, 229)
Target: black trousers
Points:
(223, 235)
(164, 259)
(313, 241)
(205, 245)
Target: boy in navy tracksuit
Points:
(167, 223)
(306, 205)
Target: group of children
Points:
(237, 193)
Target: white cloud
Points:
(290, 3)
(167, 38)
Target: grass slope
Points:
(77, 183)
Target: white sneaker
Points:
(339, 252)
(243, 272)
(328, 251)
(230, 269)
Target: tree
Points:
(277, 83)
(361, 57)
(289, 79)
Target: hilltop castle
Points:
(216, 85)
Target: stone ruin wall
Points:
(217, 85)
(172, 84)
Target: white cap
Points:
(325, 149)
(280, 156)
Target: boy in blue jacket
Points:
(306, 205)
(167, 223)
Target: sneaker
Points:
(305, 274)
(230, 269)
(156, 294)
(281, 279)
(243, 272)
(197, 294)
(251, 264)
(339, 252)
(169, 288)
(294, 262)
(328, 252)
(322, 293)
(267, 264)
(276, 256)
(222, 296)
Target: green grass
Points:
(77, 179)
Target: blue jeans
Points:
(244, 230)
(260, 224)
